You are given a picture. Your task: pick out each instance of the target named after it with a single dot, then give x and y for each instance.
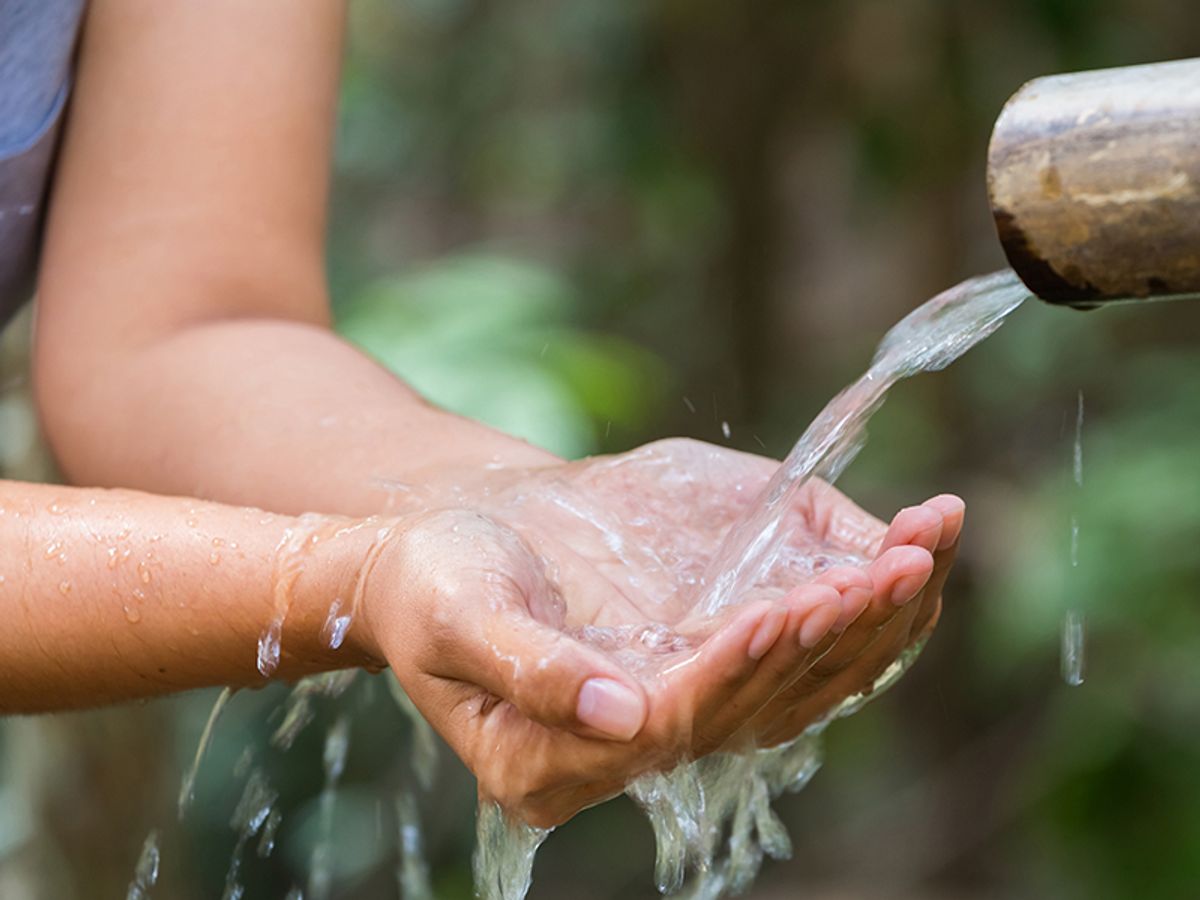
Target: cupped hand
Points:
(462, 609)
(575, 657)
(651, 520)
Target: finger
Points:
(953, 512)
(920, 526)
(855, 587)
(547, 675)
(897, 577)
(810, 612)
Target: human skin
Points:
(183, 347)
(112, 595)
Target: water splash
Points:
(145, 874)
(504, 853)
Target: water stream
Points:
(1074, 628)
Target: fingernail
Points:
(610, 707)
(767, 633)
(906, 588)
(817, 624)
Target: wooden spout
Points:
(1094, 183)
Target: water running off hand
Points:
(712, 817)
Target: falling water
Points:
(145, 874)
(927, 339)
(187, 788)
(1074, 631)
(337, 745)
(712, 817)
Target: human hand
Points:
(628, 538)
(462, 609)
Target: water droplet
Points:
(64, 587)
(1077, 461)
(1074, 636)
(53, 549)
(144, 573)
(214, 558)
(112, 557)
(725, 430)
(133, 615)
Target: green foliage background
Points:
(599, 222)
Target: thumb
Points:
(556, 680)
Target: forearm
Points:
(183, 342)
(291, 419)
(112, 595)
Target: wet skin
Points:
(499, 591)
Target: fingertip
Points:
(901, 572)
(854, 601)
(919, 525)
(818, 623)
(845, 578)
(953, 511)
(767, 633)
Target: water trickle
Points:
(266, 842)
(1074, 631)
(187, 789)
(504, 853)
(412, 872)
(333, 632)
(337, 745)
(145, 874)
(425, 749)
(252, 813)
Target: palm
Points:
(649, 523)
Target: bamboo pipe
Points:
(1094, 183)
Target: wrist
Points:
(322, 577)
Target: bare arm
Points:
(111, 595)
(183, 342)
